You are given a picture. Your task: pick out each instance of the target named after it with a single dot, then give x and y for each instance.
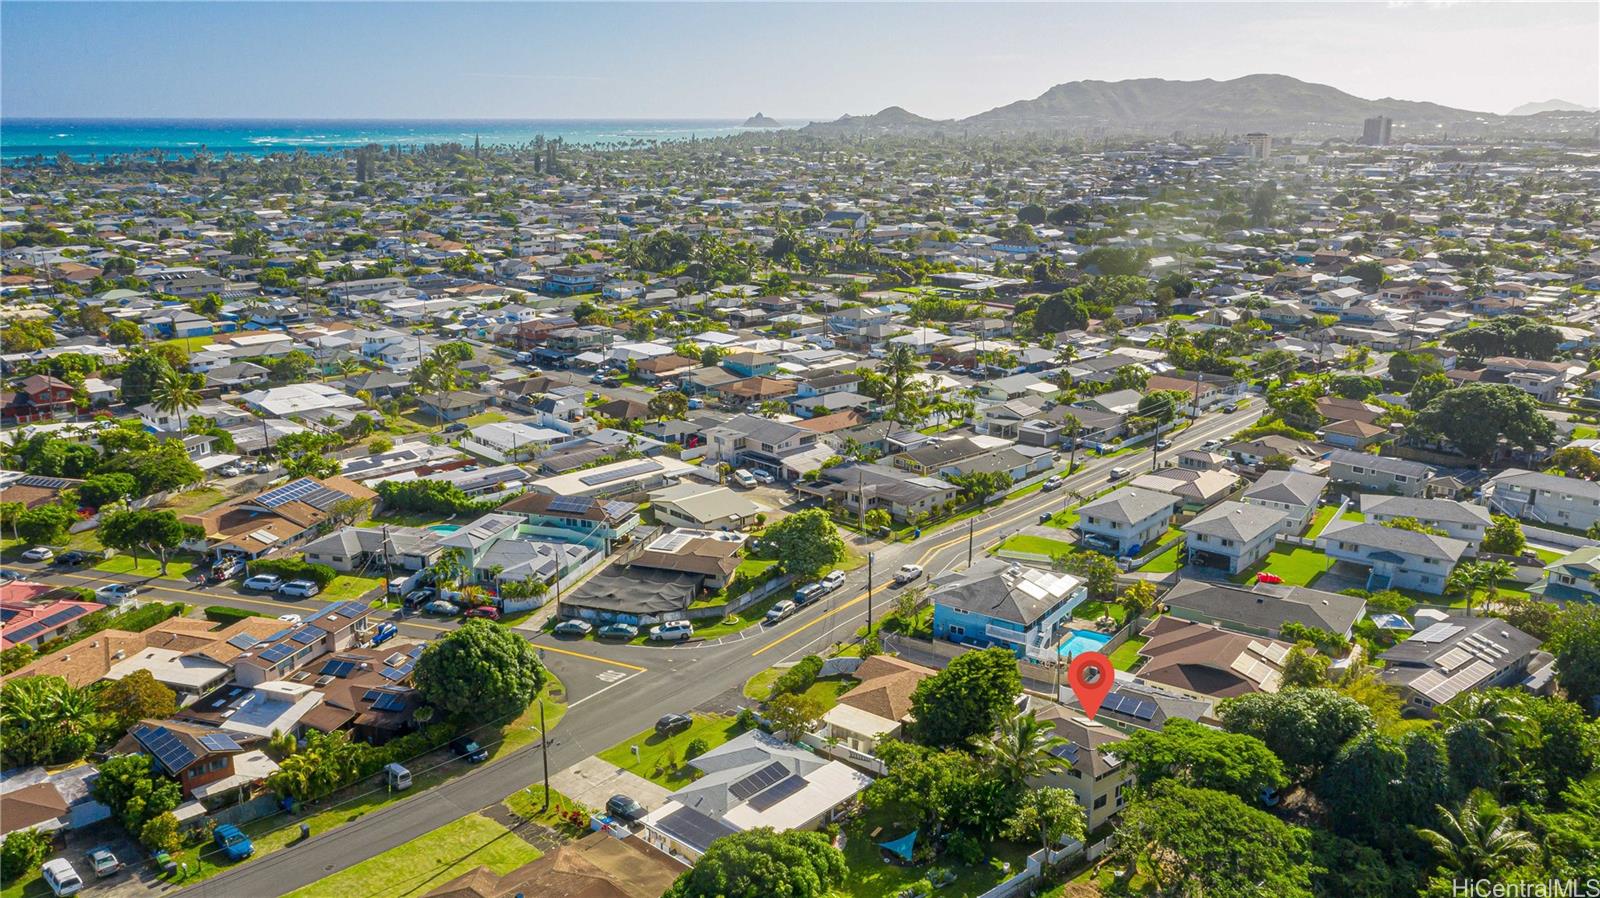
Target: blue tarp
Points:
(901, 846)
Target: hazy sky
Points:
(792, 61)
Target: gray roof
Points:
(1268, 606)
(1380, 463)
(355, 540)
(1289, 487)
(1129, 505)
(1408, 542)
(764, 430)
(1444, 510)
(1571, 486)
(730, 765)
(991, 589)
(1236, 520)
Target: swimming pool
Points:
(445, 528)
(1083, 641)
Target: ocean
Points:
(86, 139)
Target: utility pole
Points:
(869, 593)
(970, 524)
(388, 571)
(544, 749)
(861, 502)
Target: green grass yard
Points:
(661, 760)
(1127, 654)
(1297, 566)
(1166, 561)
(348, 586)
(483, 418)
(1037, 545)
(145, 566)
(424, 863)
(867, 876)
(195, 501)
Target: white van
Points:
(1119, 473)
(398, 777)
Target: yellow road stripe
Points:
(596, 658)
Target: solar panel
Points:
(694, 828)
(308, 634)
(786, 787)
(389, 701)
(1437, 633)
(761, 779)
(571, 504)
(242, 640)
(394, 674)
(371, 695)
(289, 492)
(337, 668)
(415, 651)
(1133, 707)
(168, 749)
(1066, 751)
(219, 742)
(276, 653)
(48, 483)
(633, 470)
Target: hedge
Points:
(294, 569)
(222, 614)
(134, 621)
(798, 678)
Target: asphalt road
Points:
(616, 691)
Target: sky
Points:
(796, 61)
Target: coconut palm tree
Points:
(173, 394)
(1501, 713)
(1021, 749)
(899, 369)
(1477, 841)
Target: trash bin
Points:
(305, 831)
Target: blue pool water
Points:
(445, 528)
(1083, 641)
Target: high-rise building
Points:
(1375, 131)
(1260, 144)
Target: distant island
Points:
(1551, 106)
(760, 120)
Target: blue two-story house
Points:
(1001, 603)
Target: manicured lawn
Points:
(29, 885)
(529, 804)
(1320, 519)
(827, 691)
(145, 566)
(483, 418)
(1168, 560)
(348, 586)
(752, 568)
(1548, 556)
(190, 344)
(525, 729)
(423, 864)
(1038, 545)
(398, 519)
(195, 501)
(1092, 611)
(867, 876)
(1127, 653)
(1066, 520)
(1584, 432)
(1297, 566)
(758, 687)
(661, 760)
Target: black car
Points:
(71, 559)
(468, 748)
(624, 808)
(457, 427)
(673, 724)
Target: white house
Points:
(1125, 519)
(1397, 559)
(1459, 520)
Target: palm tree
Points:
(1491, 574)
(447, 569)
(899, 367)
(173, 394)
(1478, 841)
(1501, 713)
(1021, 749)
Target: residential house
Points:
(597, 523)
(1378, 473)
(1459, 520)
(853, 484)
(205, 762)
(28, 616)
(375, 549)
(1294, 493)
(1125, 520)
(876, 708)
(750, 441)
(1207, 660)
(1198, 489)
(1396, 558)
(276, 519)
(1574, 576)
(1263, 609)
(704, 506)
(1232, 536)
(338, 626)
(452, 406)
(1544, 498)
(1099, 779)
(1455, 655)
(1000, 603)
(38, 397)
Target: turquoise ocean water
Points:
(84, 139)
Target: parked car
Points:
(263, 467)
(229, 470)
(416, 598)
(907, 573)
(1054, 483)
(60, 877)
(457, 427)
(232, 840)
(293, 620)
(299, 589)
(617, 631)
(764, 477)
(488, 612)
(624, 808)
(264, 582)
(227, 569)
(1045, 516)
(1119, 473)
(103, 861)
(440, 606)
(672, 631)
(833, 580)
(468, 748)
(673, 724)
(7, 576)
(73, 558)
(112, 593)
(1230, 408)
(781, 610)
(809, 591)
(573, 627)
(1208, 445)
(597, 379)
(744, 478)
(39, 553)
(1163, 443)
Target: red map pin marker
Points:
(1091, 677)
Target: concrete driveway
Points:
(591, 781)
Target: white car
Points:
(1054, 483)
(229, 471)
(60, 877)
(745, 478)
(292, 620)
(113, 593)
(264, 582)
(834, 580)
(39, 553)
(671, 631)
(907, 573)
(299, 589)
(764, 477)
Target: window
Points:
(1100, 802)
(958, 630)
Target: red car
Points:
(1265, 577)
(488, 611)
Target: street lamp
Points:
(544, 749)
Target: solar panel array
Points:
(786, 787)
(338, 667)
(692, 827)
(304, 490)
(389, 701)
(1437, 633)
(308, 634)
(47, 483)
(571, 504)
(170, 751)
(277, 653)
(762, 779)
(626, 471)
(242, 641)
(1137, 708)
(28, 631)
(1066, 751)
(219, 742)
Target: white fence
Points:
(1042, 858)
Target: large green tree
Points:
(157, 531)
(1576, 645)
(969, 698)
(1476, 417)
(481, 671)
(1201, 842)
(134, 790)
(1305, 728)
(804, 543)
(761, 863)
(1204, 758)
